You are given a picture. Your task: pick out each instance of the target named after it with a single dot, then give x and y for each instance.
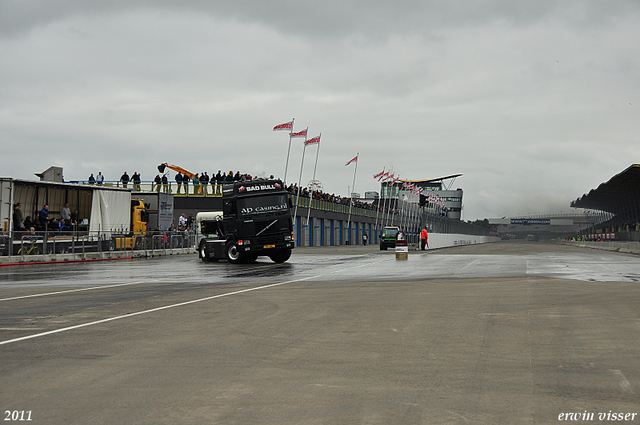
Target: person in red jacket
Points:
(424, 238)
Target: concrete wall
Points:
(626, 247)
(440, 240)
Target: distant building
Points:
(51, 174)
(371, 195)
(449, 202)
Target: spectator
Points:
(29, 224)
(92, 180)
(136, 181)
(190, 221)
(185, 182)
(204, 180)
(57, 224)
(179, 181)
(158, 183)
(219, 181)
(182, 222)
(65, 213)
(165, 184)
(18, 218)
(43, 217)
(124, 179)
(196, 185)
(75, 217)
(100, 178)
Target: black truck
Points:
(255, 220)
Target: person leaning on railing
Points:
(158, 183)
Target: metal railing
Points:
(50, 244)
(187, 190)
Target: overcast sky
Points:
(534, 102)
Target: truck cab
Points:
(137, 229)
(255, 221)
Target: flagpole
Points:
(295, 214)
(286, 167)
(313, 179)
(386, 223)
(351, 197)
(378, 209)
(385, 212)
(400, 223)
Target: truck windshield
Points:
(389, 233)
(267, 204)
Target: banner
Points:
(354, 159)
(312, 141)
(285, 126)
(302, 133)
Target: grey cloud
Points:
(330, 18)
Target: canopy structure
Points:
(453, 176)
(619, 196)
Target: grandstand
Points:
(617, 200)
(440, 187)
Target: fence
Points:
(48, 246)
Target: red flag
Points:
(379, 174)
(312, 141)
(397, 178)
(383, 176)
(354, 159)
(389, 177)
(302, 133)
(285, 126)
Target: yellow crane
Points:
(164, 166)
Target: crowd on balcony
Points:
(319, 195)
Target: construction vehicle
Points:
(255, 221)
(188, 176)
(164, 166)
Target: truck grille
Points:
(250, 229)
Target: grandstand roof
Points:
(618, 196)
(431, 180)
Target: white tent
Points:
(110, 211)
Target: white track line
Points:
(45, 294)
(138, 313)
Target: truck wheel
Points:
(204, 253)
(281, 256)
(234, 256)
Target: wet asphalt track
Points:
(503, 333)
